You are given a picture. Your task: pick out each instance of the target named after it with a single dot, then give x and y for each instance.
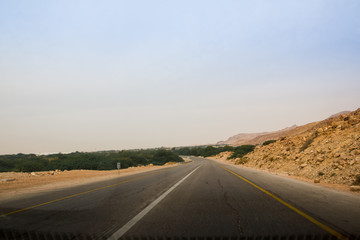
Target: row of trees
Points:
(107, 160)
(211, 151)
(90, 161)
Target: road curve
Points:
(203, 198)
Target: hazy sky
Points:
(100, 75)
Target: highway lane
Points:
(212, 201)
(338, 209)
(218, 203)
(96, 213)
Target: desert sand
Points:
(14, 185)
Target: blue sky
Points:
(97, 75)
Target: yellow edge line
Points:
(74, 195)
(311, 219)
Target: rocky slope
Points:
(340, 113)
(326, 151)
(241, 138)
(259, 138)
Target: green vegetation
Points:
(357, 180)
(204, 151)
(308, 142)
(242, 160)
(90, 161)
(268, 142)
(241, 151)
(207, 151)
(321, 173)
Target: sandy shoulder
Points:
(16, 185)
(339, 187)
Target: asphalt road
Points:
(203, 198)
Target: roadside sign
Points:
(118, 165)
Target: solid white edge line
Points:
(119, 233)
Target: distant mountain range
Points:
(328, 151)
(259, 138)
(338, 114)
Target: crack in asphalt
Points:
(238, 217)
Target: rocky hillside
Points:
(340, 113)
(259, 138)
(326, 151)
(241, 139)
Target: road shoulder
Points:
(337, 187)
(22, 185)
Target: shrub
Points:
(268, 142)
(357, 180)
(242, 151)
(204, 151)
(92, 161)
(30, 166)
(320, 173)
(308, 142)
(227, 148)
(163, 156)
(210, 151)
(242, 160)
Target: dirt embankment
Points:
(327, 152)
(17, 184)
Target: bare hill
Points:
(259, 138)
(326, 151)
(241, 138)
(339, 113)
